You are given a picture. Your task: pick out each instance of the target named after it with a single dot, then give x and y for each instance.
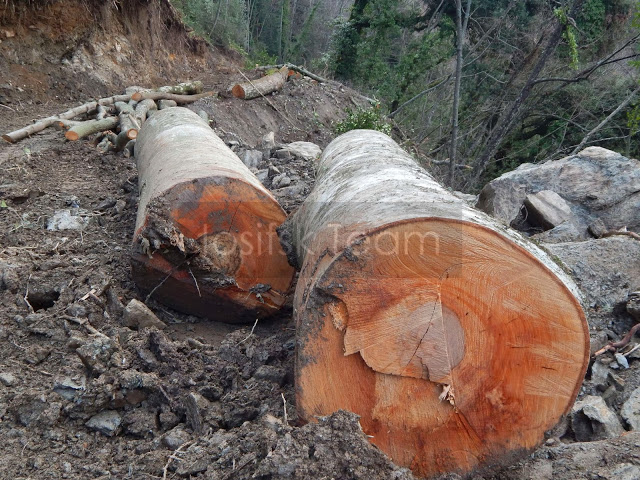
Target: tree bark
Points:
(127, 120)
(162, 104)
(461, 27)
(205, 240)
(262, 86)
(457, 342)
(180, 99)
(84, 129)
(143, 108)
(40, 125)
(186, 88)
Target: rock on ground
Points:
(597, 185)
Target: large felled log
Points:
(40, 125)
(205, 240)
(456, 341)
(262, 86)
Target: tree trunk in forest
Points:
(507, 120)
(457, 342)
(461, 28)
(205, 240)
(262, 86)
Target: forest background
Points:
(473, 88)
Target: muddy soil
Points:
(84, 397)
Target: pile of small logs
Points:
(116, 119)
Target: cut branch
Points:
(40, 125)
(180, 99)
(84, 129)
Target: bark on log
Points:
(186, 88)
(262, 86)
(179, 99)
(40, 125)
(143, 108)
(164, 103)
(457, 342)
(84, 129)
(205, 240)
(128, 123)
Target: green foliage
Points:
(569, 35)
(363, 118)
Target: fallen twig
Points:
(614, 346)
(172, 457)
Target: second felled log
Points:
(262, 86)
(457, 342)
(205, 240)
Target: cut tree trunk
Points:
(205, 240)
(186, 88)
(40, 125)
(262, 86)
(457, 342)
(84, 129)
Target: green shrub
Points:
(363, 118)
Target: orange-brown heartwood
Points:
(205, 240)
(458, 342)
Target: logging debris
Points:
(132, 108)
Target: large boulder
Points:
(607, 270)
(596, 186)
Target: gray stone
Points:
(622, 361)
(633, 305)
(270, 373)
(280, 181)
(96, 353)
(292, 191)
(268, 141)
(565, 232)
(263, 175)
(195, 406)
(273, 171)
(106, 422)
(625, 471)
(596, 184)
(600, 376)
(283, 154)
(65, 220)
(547, 209)
(68, 388)
(631, 410)
(189, 468)
(138, 315)
(591, 419)
(7, 379)
(252, 158)
(305, 150)
(175, 438)
(605, 269)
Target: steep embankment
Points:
(68, 49)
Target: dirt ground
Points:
(84, 397)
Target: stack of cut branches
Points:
(115, 119)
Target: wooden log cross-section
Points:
(456, 341)
(262, 86)
(205, 241)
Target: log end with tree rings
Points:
(205, 241)
(457, 342)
